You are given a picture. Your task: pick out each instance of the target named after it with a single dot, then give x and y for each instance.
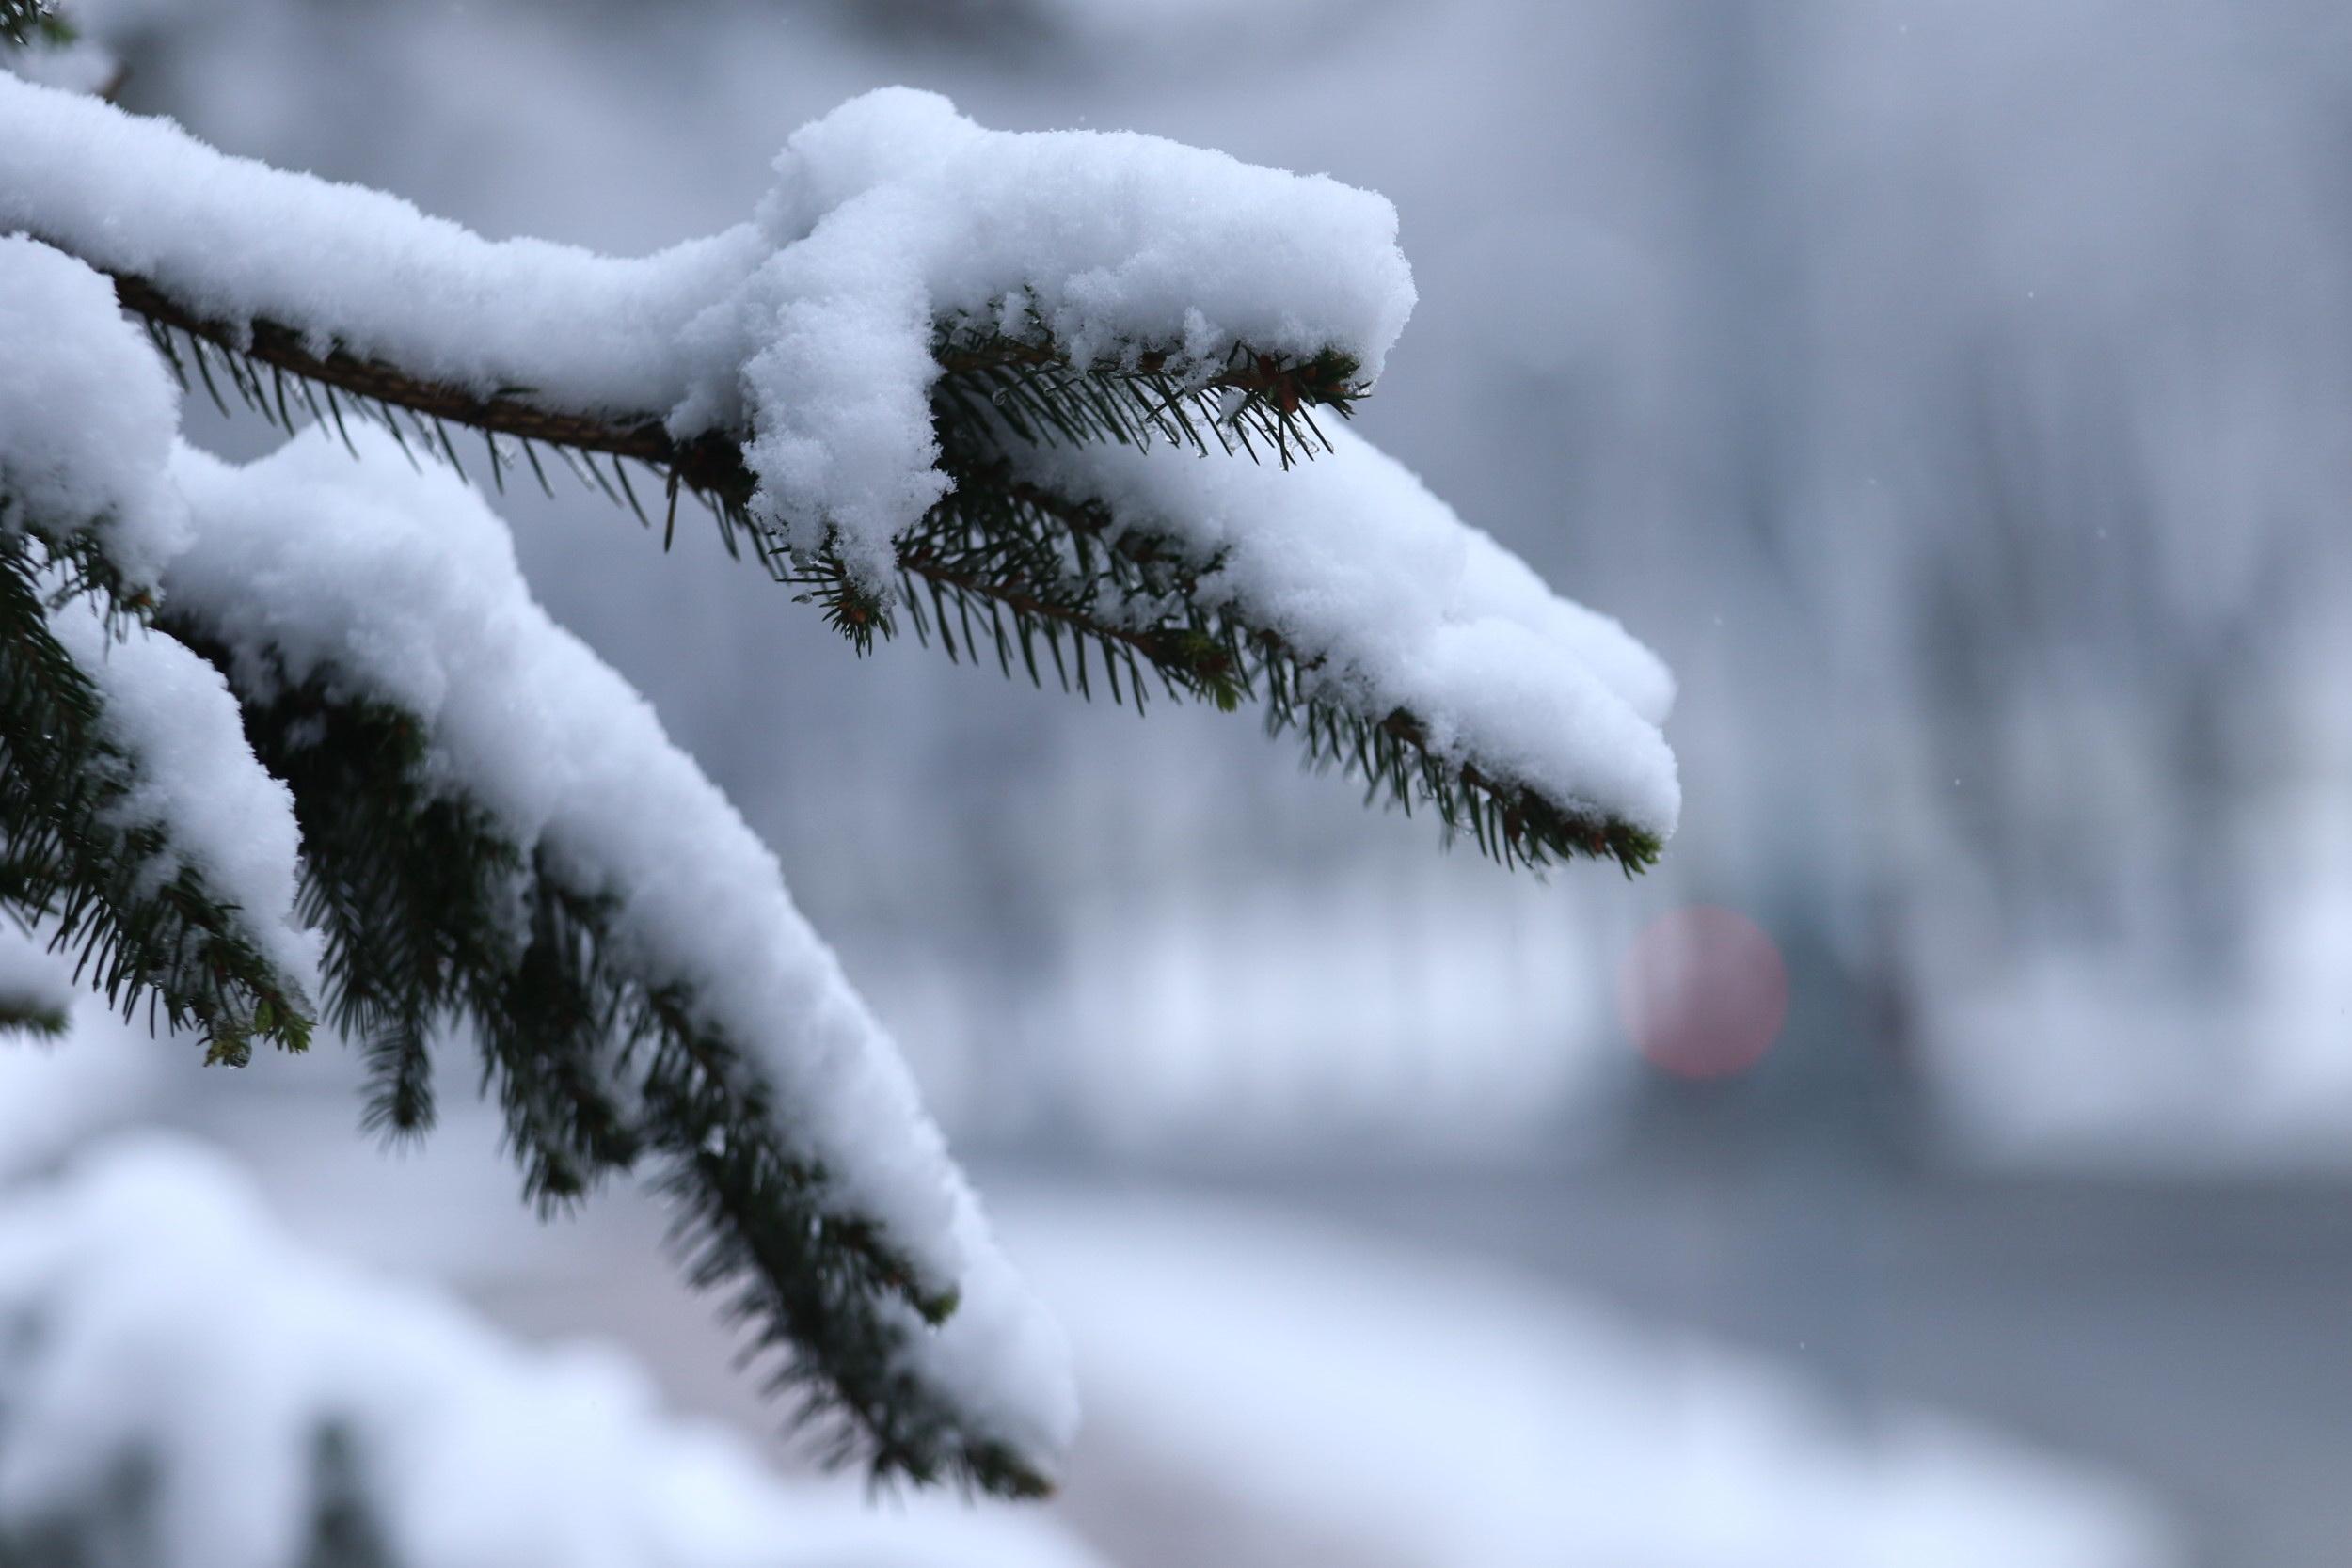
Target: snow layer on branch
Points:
(811, 327)
(893, 211)
(1353, 560)
(193, 776)
(180, 1328)
(237, 240)
(398, 584)
(87, 413)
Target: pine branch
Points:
(1255, 401)
(599, 1071)
(141, 924)
(1013, 557)
(1029, 384)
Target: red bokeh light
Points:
(1703, 992)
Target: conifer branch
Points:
(140, 925)
(645, 997)
(599, 1071)
(1025, 562)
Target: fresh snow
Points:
(811, 327)
(193, 776)
(1356, 563)
(238, 240)
(88, 412)
(88, 419)
(893, 211)
(398, 584)
(181, 1330)
(812, 323)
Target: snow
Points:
(811, 328)
(812, 323)
(893, 211)
(234, 239)
(88, 419)
(1355, 562)
(87, 413)
(180, 1327)
(399, 585)
(1376, 1405)
(193, 776)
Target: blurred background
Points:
(1957, 392)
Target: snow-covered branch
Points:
(489, 831)
(134, 821)
(497, 828)
(1056, 395)
(945, 355)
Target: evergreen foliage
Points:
(1001, 566)
(32, 21)
(140, 923)
(19, 1016)
(599, 1068)
(435, 921)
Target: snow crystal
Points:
(812, 324)
(88, 412)
(181, 1330)
(193, 777)
(1353, 560)
(399, 584)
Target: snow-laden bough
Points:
(1073, 397)
(862, 376)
